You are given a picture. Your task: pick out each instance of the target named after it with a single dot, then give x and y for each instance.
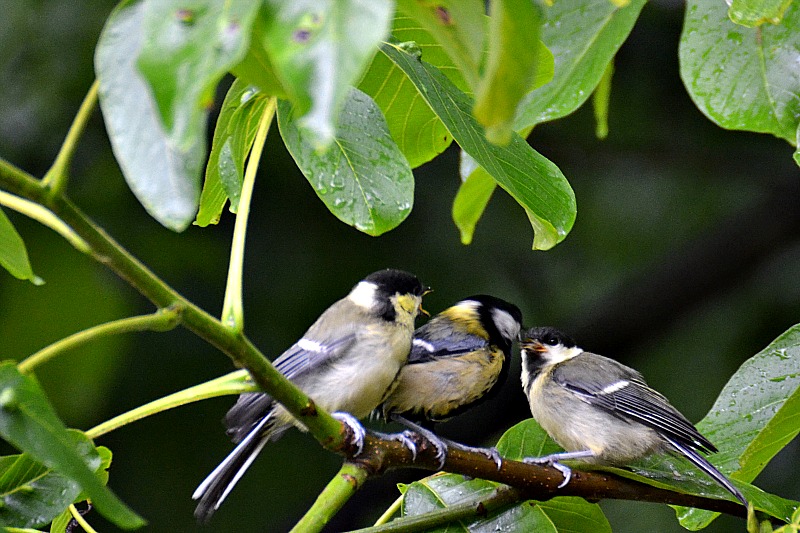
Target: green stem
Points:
(45, 217)
(232, 308)
(56, 177)
(162, 320)
(502, 497)
(340, 489)
(237, 382)
(390, 512)
(326, 429)
(80, 519)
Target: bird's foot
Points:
(549, 460)
(554, 458)
(359, 433)
(490, 453)
(404, 438)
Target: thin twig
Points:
(232, 308)
(162, 320)
(56, 177)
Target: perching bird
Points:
(602, 411)
(347, 362)
(458, 359)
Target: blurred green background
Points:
(683, 263)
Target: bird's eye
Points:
(551, 340)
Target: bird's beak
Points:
(427, 290)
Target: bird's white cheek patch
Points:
(614, 387)
(559, 354)
(363, 294)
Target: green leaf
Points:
(755, 415)
(797, 147)
(511, 65)
(583, 36)
(742, 78)
(414, 126)
(256, 67)
(557, 515)
(600, 99)
(458, 26)
(28, 421)
(32, 494)
(13, 254)
(753, 13)
(233, 138)
(471, 199)
(678, 474)
(526, 439)
(363, 178)
(188, 46)
(61, 522)
(163, 175)
(318, 50)
(531, 179)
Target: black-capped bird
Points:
(347, 362)
(602, 411)
(458, 358)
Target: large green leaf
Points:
(60, 522)
(583, 36)
(472, 197)
(318, 50)
(511, 65)
(531, 179)
(458, 26)
(756, 12)
(742, 78)
(233, 139)
(363, 178)
(33, 495)
(414, 126)
(560, 514)
(188, 46)
(28, 421)
(755, 415)
(164, 175)
(13, 254)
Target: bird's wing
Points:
(425, 348)
(623, 392)
(304, 355)
(308, 353)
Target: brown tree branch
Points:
(534, 482)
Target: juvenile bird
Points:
(602, 411)
(347, 362)
(458, 359)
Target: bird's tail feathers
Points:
(703, 464)
(219, 483)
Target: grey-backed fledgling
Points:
(602, 411)
(347, 362)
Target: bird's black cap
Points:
(548, 335)
(397, 281)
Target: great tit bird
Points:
(458, 359)
(602, 411)
(347, 362)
